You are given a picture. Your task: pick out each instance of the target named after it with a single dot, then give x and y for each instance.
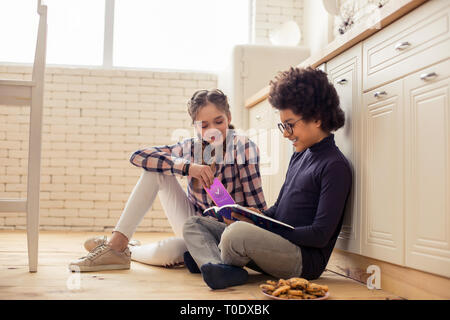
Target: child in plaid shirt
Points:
(216, 152)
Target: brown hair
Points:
(308, 93)
(201, 97)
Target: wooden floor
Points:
(54, 281)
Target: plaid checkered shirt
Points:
(237, 168)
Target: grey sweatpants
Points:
(241, 244)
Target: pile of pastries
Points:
(294, 288)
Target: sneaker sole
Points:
(98, 268)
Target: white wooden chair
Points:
(20, 93)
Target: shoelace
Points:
(103, 240)
(96, 251)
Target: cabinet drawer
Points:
(417, 40)
(259, 115)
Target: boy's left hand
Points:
(237, 216)
(240, 217)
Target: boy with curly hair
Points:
(312, 198)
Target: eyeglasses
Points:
(288, 127)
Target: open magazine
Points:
(225, 205)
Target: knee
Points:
(190, 224)
(149, 174)
(154, 176)
(236, 232)
(150, 177)
(233, 244)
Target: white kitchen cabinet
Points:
(427, 169)
(382, 174)
(344, 71)
(275, 151)
(406, 171)
(419, 39)
(405, 154)
(284, 151)
(259, 124)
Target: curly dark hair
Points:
(308, 93)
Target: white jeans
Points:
(177, 208)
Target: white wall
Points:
(318, 25)
(269, 14)
(93, 121)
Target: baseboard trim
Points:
(402, 281)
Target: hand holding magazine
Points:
(225, 205)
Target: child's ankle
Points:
(117, 247)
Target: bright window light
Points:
(157, 34)
(74, 34)
(18, 30)
(178, 34)
(75, 31)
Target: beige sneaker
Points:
(101, 258)
(93, 242)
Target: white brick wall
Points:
(93, 121)
(269, 14)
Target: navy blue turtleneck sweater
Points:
(312, 199)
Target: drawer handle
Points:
(258, 117)
(342, 81)
(277, 111)
(402, 45)
(378, 94)
(428, 76)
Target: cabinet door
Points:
(259, 121)
(382, 174)
(427, 141)
(282, 149)
(275, 151)
(344, 71)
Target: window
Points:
(74, 34)
(178, 34)
(18, 30)
(158, 34)
(75, 31)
